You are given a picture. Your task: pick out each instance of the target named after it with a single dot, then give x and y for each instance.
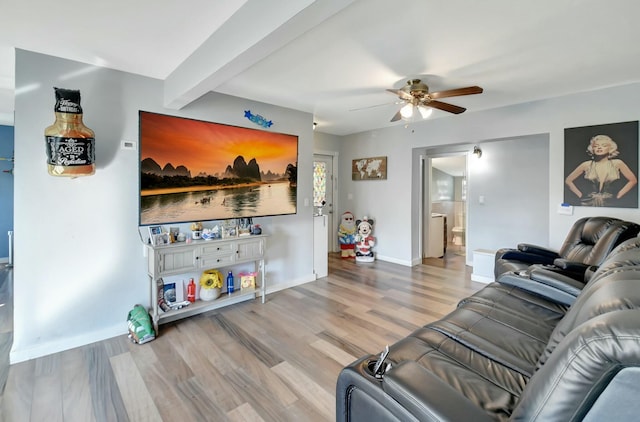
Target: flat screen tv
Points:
(194, 170)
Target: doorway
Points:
(445, 206)
(325, 191)
(6, 192)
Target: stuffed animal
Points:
(347, 235)
(364, 240)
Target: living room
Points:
(79, 261)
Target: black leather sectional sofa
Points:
(513, 353)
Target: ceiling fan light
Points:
(407, 111)
(425, 112)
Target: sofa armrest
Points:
(573, 269)
(538, 250)
(557, 281)
(427, 397)
(526, 257)
(546, 283)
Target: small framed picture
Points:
(154, 230)
(159, 239)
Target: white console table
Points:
(200, 255)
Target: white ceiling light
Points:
(425, 111)
(407, 111)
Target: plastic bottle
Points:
(70, 144)
(230, 282)
(191, 291)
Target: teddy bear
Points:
(364, 240)
(347, 235)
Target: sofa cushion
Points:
(506, 339)
(587, 361)
(490, 386)
(618, 291)
(525, 304)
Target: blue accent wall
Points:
(6, 188)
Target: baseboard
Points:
(481, 279)
(395, 260)
(48, 348)
(282, 286)
(4, 260)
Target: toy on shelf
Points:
(347, 235)
(364, 240)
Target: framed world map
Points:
(374, 168)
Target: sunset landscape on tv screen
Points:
(193, 170)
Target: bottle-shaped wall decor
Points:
(70, 144)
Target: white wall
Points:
(394, 202)
(326, 142)
(512, 177)
(79, 266)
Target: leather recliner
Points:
(505, 354)
(587, 244)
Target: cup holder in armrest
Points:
(369, 366)
(378, 366)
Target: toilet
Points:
(458, 236)
(457, 232)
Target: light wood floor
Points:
(248, 362)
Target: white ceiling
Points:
(328, 57)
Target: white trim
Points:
(425, 188)
(395, 260)
(283, 286)
(48, 348)
(481, 279)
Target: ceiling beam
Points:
(257, 29)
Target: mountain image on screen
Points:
(156, 177)
(194, 170)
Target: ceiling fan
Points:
(415, 95)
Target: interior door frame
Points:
(333, 240)
(425, 190)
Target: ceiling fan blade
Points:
(446, 107)
(396, 117)
(374, 106)
(402, 94)
(456, 92)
